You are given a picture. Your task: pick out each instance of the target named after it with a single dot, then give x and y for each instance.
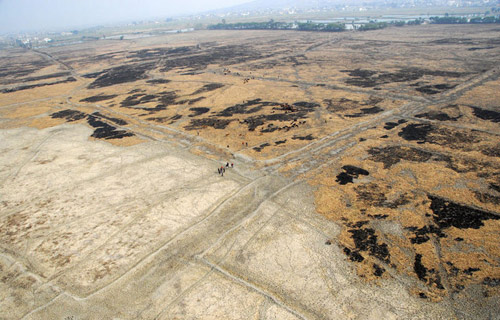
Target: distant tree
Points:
(223, 21)
(121, 37)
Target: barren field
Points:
(366, 178)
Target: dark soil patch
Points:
(104, 130)
(198, 111)
(158, 81)
(350, 172)
(209, 87)
(365, 111)
(197, 124)
(262, 146)
(391, 155)
(31, 86)
(121, 74)
(308, 137)
(98, 98)
(449, 214)
(69, 115)
(440, 116)
(484, 114)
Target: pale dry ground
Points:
(94, 225)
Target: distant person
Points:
(232, 165)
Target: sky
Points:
(32, 15)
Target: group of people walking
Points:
(222, 169)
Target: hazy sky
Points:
(19, 15)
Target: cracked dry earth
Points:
(365, 181)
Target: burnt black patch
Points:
(419, 268)
(487, 198)
(371, 194)
(277, 143)
(121, 74)
(421, 235)
(198, 111)
(369, 78)
(491, 152)
(484, 114)
(416, 132)
(99, 98)
(448, 214)
(378, 271)
(353, 255)
(439, 116)
(158, 81)
(190, 101)
(308, 137)
(36, 78)
(435, 88)
(429, 276)
(491, 282)
(365, 240)
(391, 155)
(104, 130)
(137, 99)
(392, 125)
(195, 59)
(32, 86)
(306, 105)
(365, 111)
(350, 173)
(209, 87)
(456, 139)
(69, 115)
(243, 108)
(262, 146)
(495, 187)
(480, 48)
(197, 124)
(117, 121)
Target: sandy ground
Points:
(361, 188)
